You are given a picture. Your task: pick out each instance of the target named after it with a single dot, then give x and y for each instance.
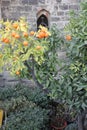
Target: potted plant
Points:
(71, 116)
(58, 119)
(58, 123)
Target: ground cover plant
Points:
(23, 108)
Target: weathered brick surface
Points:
(63, 7)
(13, 9)
(42, 1)
(58, 1)
(5, 3)
(25, 1)
(33, 2)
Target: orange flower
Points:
(18, 72)
(68, 37)
(15, 25)
(6, 40)
(46, 34)
(3, 39)
(38, 47)
(17, 36)
(25, 43)
(13, 34)
(32, 33)
(38, 36)
(41, 34)
(25, 34)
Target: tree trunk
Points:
(80, 125)
(81, 120)
(32, 70)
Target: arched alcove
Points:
(43, 18)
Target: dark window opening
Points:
(42, 20)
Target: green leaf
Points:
(81, 87)
(84, 106)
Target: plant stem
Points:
(34, 76)
(81, 119)
(80, 125)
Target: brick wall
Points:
(58, 9)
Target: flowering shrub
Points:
(18, 45)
